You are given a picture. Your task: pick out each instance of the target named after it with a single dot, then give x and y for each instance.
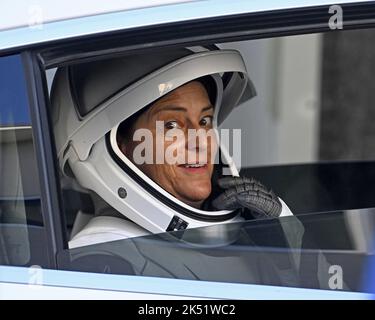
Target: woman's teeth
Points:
(193, 165)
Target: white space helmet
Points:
(91, 99)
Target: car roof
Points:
(22, 12)
(25, 24)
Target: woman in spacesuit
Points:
(98, 109)
(99, 106)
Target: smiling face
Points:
(185, 108)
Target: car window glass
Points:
(282, 252)
(307, 135)
(21, 225)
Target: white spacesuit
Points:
(90, 100)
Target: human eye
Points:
(173, 124)
(206, 121)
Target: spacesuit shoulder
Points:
(104, 229)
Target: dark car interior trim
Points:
(51, 202)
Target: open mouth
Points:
(197, 165)
(194, 168)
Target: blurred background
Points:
(315, 99)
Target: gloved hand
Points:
(247, 193)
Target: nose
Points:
(196, 144)
(196, 138)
